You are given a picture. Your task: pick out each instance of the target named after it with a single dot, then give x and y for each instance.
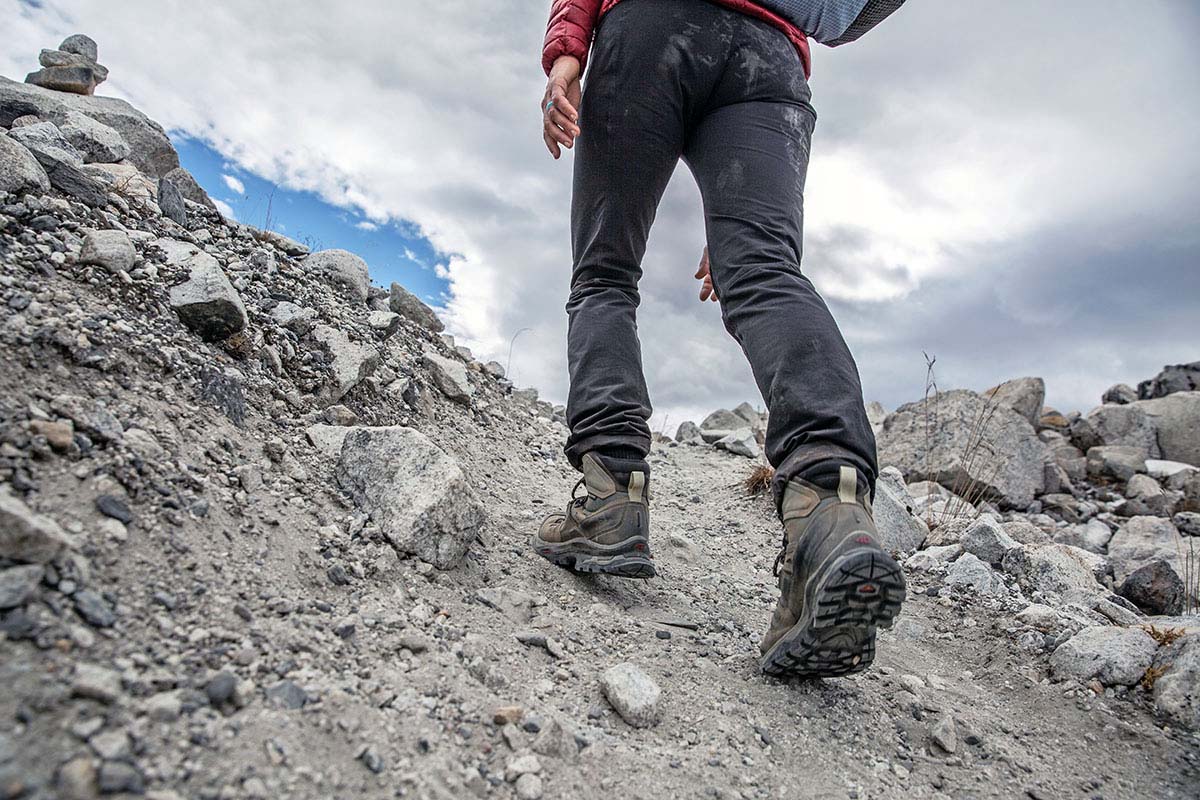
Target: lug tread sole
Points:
(863, 591)
(623, 565)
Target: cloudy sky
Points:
(1011, 187)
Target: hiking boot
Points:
(608, 529)
(836, 583)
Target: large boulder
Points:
(1142, 540)
(1115, 461)
(1023, 395)
(722, 420)
(349, 363)
(415, 493)
(96, 142)
(1124, 425)
(1173, 378)
(450, 376)
(20, 172)
(1055, 569)
(1113, 656)
(344, 270)
(1176, 421)
(970, 442)
(1156, 588)
(110, 249)
(207, 303)
(182, 180)
(1177, 687)
(740, 442)
(408, 305)
(26, 535)
(900, 529)
(150, 148)
(47, 144)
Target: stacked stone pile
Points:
(73, 67)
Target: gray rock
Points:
(1011, 471)
(1119, 394)
(1023, 395)
(207, 303)
(349, 363)
(79, 78)
(450, 376)
(89, 416)
(494, 368)
(944, 734)
(171, 201)
(1176, 421)
(1025, 532)
(127, 181)
(80, 44)
(1176, 693)
(1125, 425)
(77, 184)
(1116, 461)
(1092, 536)
(1142, 486)
(987, 539)
(1055, 569)
(529, 787)
(876, 414)
(1187, 523)
(722, 420)
(1114, 656)
(415, 493)
(94, 609)
(295, 318)
(76, 779)
(343, 270)
(1142, 540)
(900, 530)
(109, 249)
(20, 172)
(740, 442)
(286, 694)
(327, 439)
(18, 583)
(1173, 378)
(969, 571)
(96, 683)
(96, 142)
(632, 693)
(409, 306)
(47, 144)
(26, 536)
(150, 149)
(182, 180)
(688, 432)
(1155, 588)
(384, 323)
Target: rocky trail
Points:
(264, 532)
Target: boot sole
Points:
(593, 558)
(862, 590)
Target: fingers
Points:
(562, 104)
(551, 145)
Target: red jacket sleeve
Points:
(569, 31)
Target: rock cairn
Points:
(71, 68)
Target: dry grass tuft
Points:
(759, 480)
(1152, 675)
(1164, 636)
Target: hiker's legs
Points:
(750, 160)
(632, 122)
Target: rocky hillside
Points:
(264, 533)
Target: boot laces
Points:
(577, 500)
(775, 570)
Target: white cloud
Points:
(234, 184)
(366, 225)
(940, 144)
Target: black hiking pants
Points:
(673, 79)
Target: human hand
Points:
(560, 118)
(707, 292)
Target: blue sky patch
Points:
(393, 250)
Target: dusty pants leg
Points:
(750, 160)
(632, 136)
